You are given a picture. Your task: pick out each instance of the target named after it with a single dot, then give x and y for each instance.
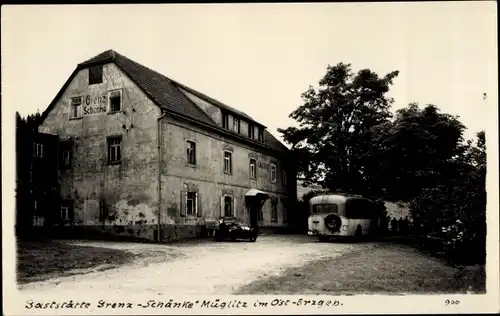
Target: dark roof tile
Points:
(166, 94)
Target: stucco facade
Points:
(129, 169)
(208, 177)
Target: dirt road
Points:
(201, 267)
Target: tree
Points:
(418, 150)
(336, 125)
(456, 205)
(25, 129)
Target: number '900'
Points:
(451, 302)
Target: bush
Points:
(472, 278)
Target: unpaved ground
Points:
(200, 268)
(385, 268)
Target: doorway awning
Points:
(256, 193)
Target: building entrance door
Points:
(254, 200)
(253, 208)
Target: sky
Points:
(259, 58)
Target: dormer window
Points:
(95, 74)
(236, 124)
(250, 131)
(225, 121)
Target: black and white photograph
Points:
(250, 158)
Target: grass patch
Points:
(383, 269)
(38, 261)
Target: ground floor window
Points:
(190, 205)
(228, 206)
(64, 213)
(260, 214)
(66, 210)
(285, 213)
(274, 210)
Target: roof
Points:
(328, 198)
(255, 192)
(166, 93)
(335, 198)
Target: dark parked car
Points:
(230, 229)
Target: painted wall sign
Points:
(94, 104)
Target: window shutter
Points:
(234, 207)
(222, 206)
(182, 204)
(198, 204)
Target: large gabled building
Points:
(144, 155)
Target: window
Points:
(114, 149)
(75, 108)
(228, 162)
(253, 169)
(95, 75)
(325, 208)
(225, 121)
(274, 210)
(285, 212)
(66, 158)
(191, 205)
(251, 131)
(255, 132)
(260, 215)
(359, 208)
(115, 101)
(236, 124)
(228, 206)
(191, 153)
(273, 173)
(261, 135)
(66, 210)
(283, 177)
(64, 213)
(37, 150)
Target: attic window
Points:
(95, 74)
(236, 125)
(225, 121)
(250, 131)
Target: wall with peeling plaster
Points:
(123, 199)
(128, 190)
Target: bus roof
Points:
(335, 198)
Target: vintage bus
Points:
(335, 215)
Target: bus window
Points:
(325, 208)
(358, 209)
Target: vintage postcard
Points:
(319, 158)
